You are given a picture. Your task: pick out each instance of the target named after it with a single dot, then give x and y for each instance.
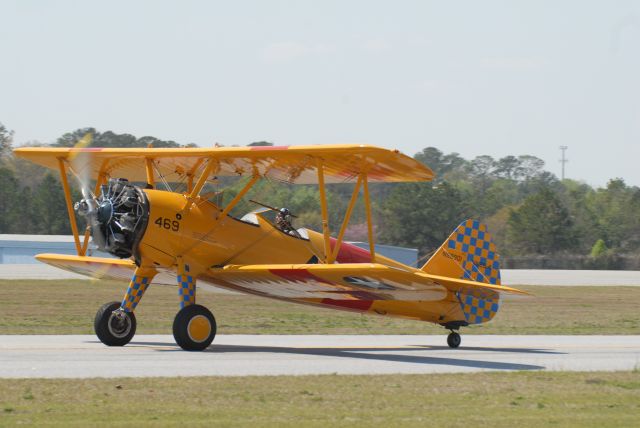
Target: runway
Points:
(239, 355)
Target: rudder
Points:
(469, 253)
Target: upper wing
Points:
(367, 281)
(293, 164)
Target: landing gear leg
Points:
(194, 326)
(454, 339)
(115, 323)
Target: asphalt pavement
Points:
(83, 356)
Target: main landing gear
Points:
(194, 328)
(113, 326)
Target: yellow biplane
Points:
(183, 238)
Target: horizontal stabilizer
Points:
(368, 281)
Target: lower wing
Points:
(365, 281)
(360, 281)
(94, 267)
(102, 268)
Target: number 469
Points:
(167, 223)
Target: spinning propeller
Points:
(88, 207)
(116, 217)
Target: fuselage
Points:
(208, 242)
(204, 239)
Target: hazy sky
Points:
(473, 77)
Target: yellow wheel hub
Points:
(199, 328)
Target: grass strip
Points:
(68, 307)
(523, 399)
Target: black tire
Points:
(194, 328)
(110, 330)
(454, 340)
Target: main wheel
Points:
(114, 329)
(454, 340)
(194, 328)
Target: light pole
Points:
(564, 160)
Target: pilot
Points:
(283, 221)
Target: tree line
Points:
(528, 210)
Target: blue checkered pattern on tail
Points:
(186, 288)
(481, 259)
(478, 310)
(137, 287)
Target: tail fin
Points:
(470, 254)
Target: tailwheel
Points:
(454, 340)
(114, 327)
(194, 328)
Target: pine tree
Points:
(542, 225)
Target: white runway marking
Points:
(240, 355)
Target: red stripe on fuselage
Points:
(350, 253)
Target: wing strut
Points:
(191, 173)
(367, 205)
(325, 216)
(148, 164)
(67, 198)
(363, 179)
(345, 221)
(224, 212)
(201, 182)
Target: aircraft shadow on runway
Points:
(479, 348)
(380, 354)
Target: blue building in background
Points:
(21, 249)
